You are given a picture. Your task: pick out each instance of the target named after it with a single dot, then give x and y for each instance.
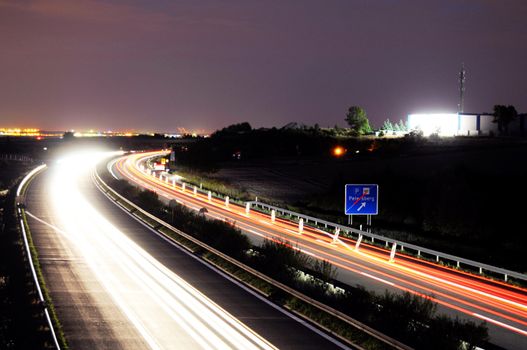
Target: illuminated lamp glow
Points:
(338, 151)
(444, 124)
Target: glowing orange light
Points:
(338, 151)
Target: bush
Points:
(413, 319)
(408, 317)
(279, 260)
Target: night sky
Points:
(203, 64)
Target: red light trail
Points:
(496, 302)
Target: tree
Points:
(504, 115)
(234, 129)
(357, 120)
(387, 125)
(402, 125)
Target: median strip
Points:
(354, 333)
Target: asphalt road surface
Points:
(115, 284)
(502, 306)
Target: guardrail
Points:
(116, 197)
(20, 202)
(400, 246)
(16, 157)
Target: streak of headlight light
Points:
(383, 261)
(205, 322)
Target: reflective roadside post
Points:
(392, 253)
(336, 235)
(357, 244)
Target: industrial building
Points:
(463, 124)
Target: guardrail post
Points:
(357, 244)
(419, 253)
(247, 208)
(437, 258)
(300, 225)
(273, 215)
(392, 253)
(336, 235)
(227, 201)
(183, 185)
(174, 182)
(481, 270)
(506, 277)
(209, 195)
(457, 264)
(195, 191)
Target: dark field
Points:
(462, 196)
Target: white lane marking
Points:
(128, 313)
(491, 320)
(378, 279)
(239, 284)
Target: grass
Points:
(218, 187)
(59, 332)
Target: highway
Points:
(116, 284)
(502, 306)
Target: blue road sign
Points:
(361, 200)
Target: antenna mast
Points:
(462, 77)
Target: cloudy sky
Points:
(202, 64)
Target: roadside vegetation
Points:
(434, 190)
(22, 320)
(411, 319)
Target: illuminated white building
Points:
(459, 124)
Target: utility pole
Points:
(462, 78)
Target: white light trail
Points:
(166, 310)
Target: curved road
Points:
(117, 285)
(502, 306)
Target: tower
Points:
(462, 77)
